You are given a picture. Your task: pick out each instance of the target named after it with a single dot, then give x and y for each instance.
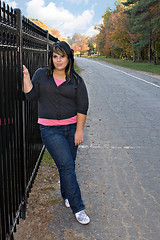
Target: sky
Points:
(67, 16)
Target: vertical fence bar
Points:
(47, 41)
(3, 220)
(4, 152)
(21, 108)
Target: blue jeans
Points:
(59, 141)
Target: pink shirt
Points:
(58, 82)
(53, 122)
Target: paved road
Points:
(118, 165)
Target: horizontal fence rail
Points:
(21, 148)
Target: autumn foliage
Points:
(131, 30)
(42, 25)
(80, 43)
(114, 34)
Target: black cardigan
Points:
(61, 102)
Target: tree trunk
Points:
(149, 51)
(138, 56)
(154, 52)
(133, 51)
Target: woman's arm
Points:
(27, 84)
(78, 138)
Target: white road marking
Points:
(99, 146)
(126, 73)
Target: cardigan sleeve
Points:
(82, 98)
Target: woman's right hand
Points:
(25, 71)
(27, 84)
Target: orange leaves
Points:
(42, 25)
(114, 34)
(55, 33)
(80, 44)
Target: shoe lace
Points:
(82, 215)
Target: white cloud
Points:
(78, 1)
(12, 4)
(59, 18)
(91, 32)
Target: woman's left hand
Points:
(78, 137)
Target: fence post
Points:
(22, 108)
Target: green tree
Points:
(91, 47)
(144, 23)
(100, 39)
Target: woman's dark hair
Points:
(62, 48)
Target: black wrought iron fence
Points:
(21, 149)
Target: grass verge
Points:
(47, 158)
(139, 66)
(77, 69)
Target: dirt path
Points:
(40, 204)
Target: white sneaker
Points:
(67, 203)
(82, 217)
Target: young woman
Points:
(62, 109)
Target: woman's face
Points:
(60, 61)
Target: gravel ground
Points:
(40, 203)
